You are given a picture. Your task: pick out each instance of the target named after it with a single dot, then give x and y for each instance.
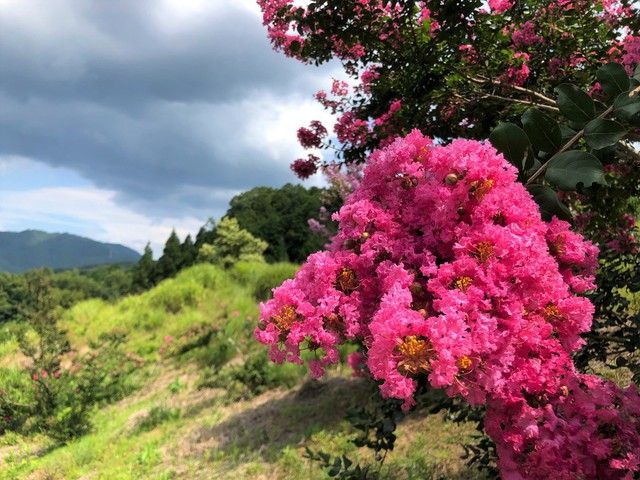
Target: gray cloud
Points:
(162, 110)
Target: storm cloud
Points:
(175, 106)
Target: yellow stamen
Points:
(285, 317)
(464, 363)
(551, 312)
(483, 251)
(346, 281)
(463, 283)
(481, 188)
(557, 247)
(423, 154)
(414, 354)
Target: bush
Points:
(262, 278)
(255, 376)
(156, 416)
(57, 390)
(174, 296)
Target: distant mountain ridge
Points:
(22, 251)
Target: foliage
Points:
(443, 267)
(144, 272)
(375, 425)
(170, 262)
(279, 217)
(58, 388)
(157, 415)
(261, 277)
(232, 244)
(205, 343)
(253, 377)
(67, 287)
(458, 69)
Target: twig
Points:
(516, 88)
(569, 144)
(522, 102)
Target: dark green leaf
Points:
(627, 107)
(601, 133)
(512, 142)
(533, 169)
(575, 104)
(294, 46)
(567, 133)
(548, 202)
(606, 155)
(542, 130)
(600, 108)
(570, 168)
(613, 79)
(636, 73)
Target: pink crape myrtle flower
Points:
(443, 269)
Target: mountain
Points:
(21, 251)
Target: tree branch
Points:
(544, 98)
(568, 145)
(521, 102)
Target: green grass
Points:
(254, 422)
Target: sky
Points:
(121, 120)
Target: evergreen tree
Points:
(189, 253)
(206, 234)
(169, 262)
(144, 272)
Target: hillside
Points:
(22, 251)
(213, 406)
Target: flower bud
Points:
(451, 179)
(262, 325)
(349, 244)
(364, 237)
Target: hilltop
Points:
(30, 249)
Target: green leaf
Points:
(567, 134)
(601, 133)
(532, 169)
(570, 168)
(543, 131)
(548, 202)
(606, 155)
(512, 142)
(575, 104)
(613, 79)
(627, 108)
(295, 46)
(636, 73)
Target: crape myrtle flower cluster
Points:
(443, 269)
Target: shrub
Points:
(57, 390)
(255, 376)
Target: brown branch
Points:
(569, 144)
(521, 102)
(544, 98)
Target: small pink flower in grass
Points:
(168, 339)
(236, 313)
(34, 377)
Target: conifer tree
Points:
(144, 272)
(169, 262)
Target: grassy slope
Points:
(199, 433)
